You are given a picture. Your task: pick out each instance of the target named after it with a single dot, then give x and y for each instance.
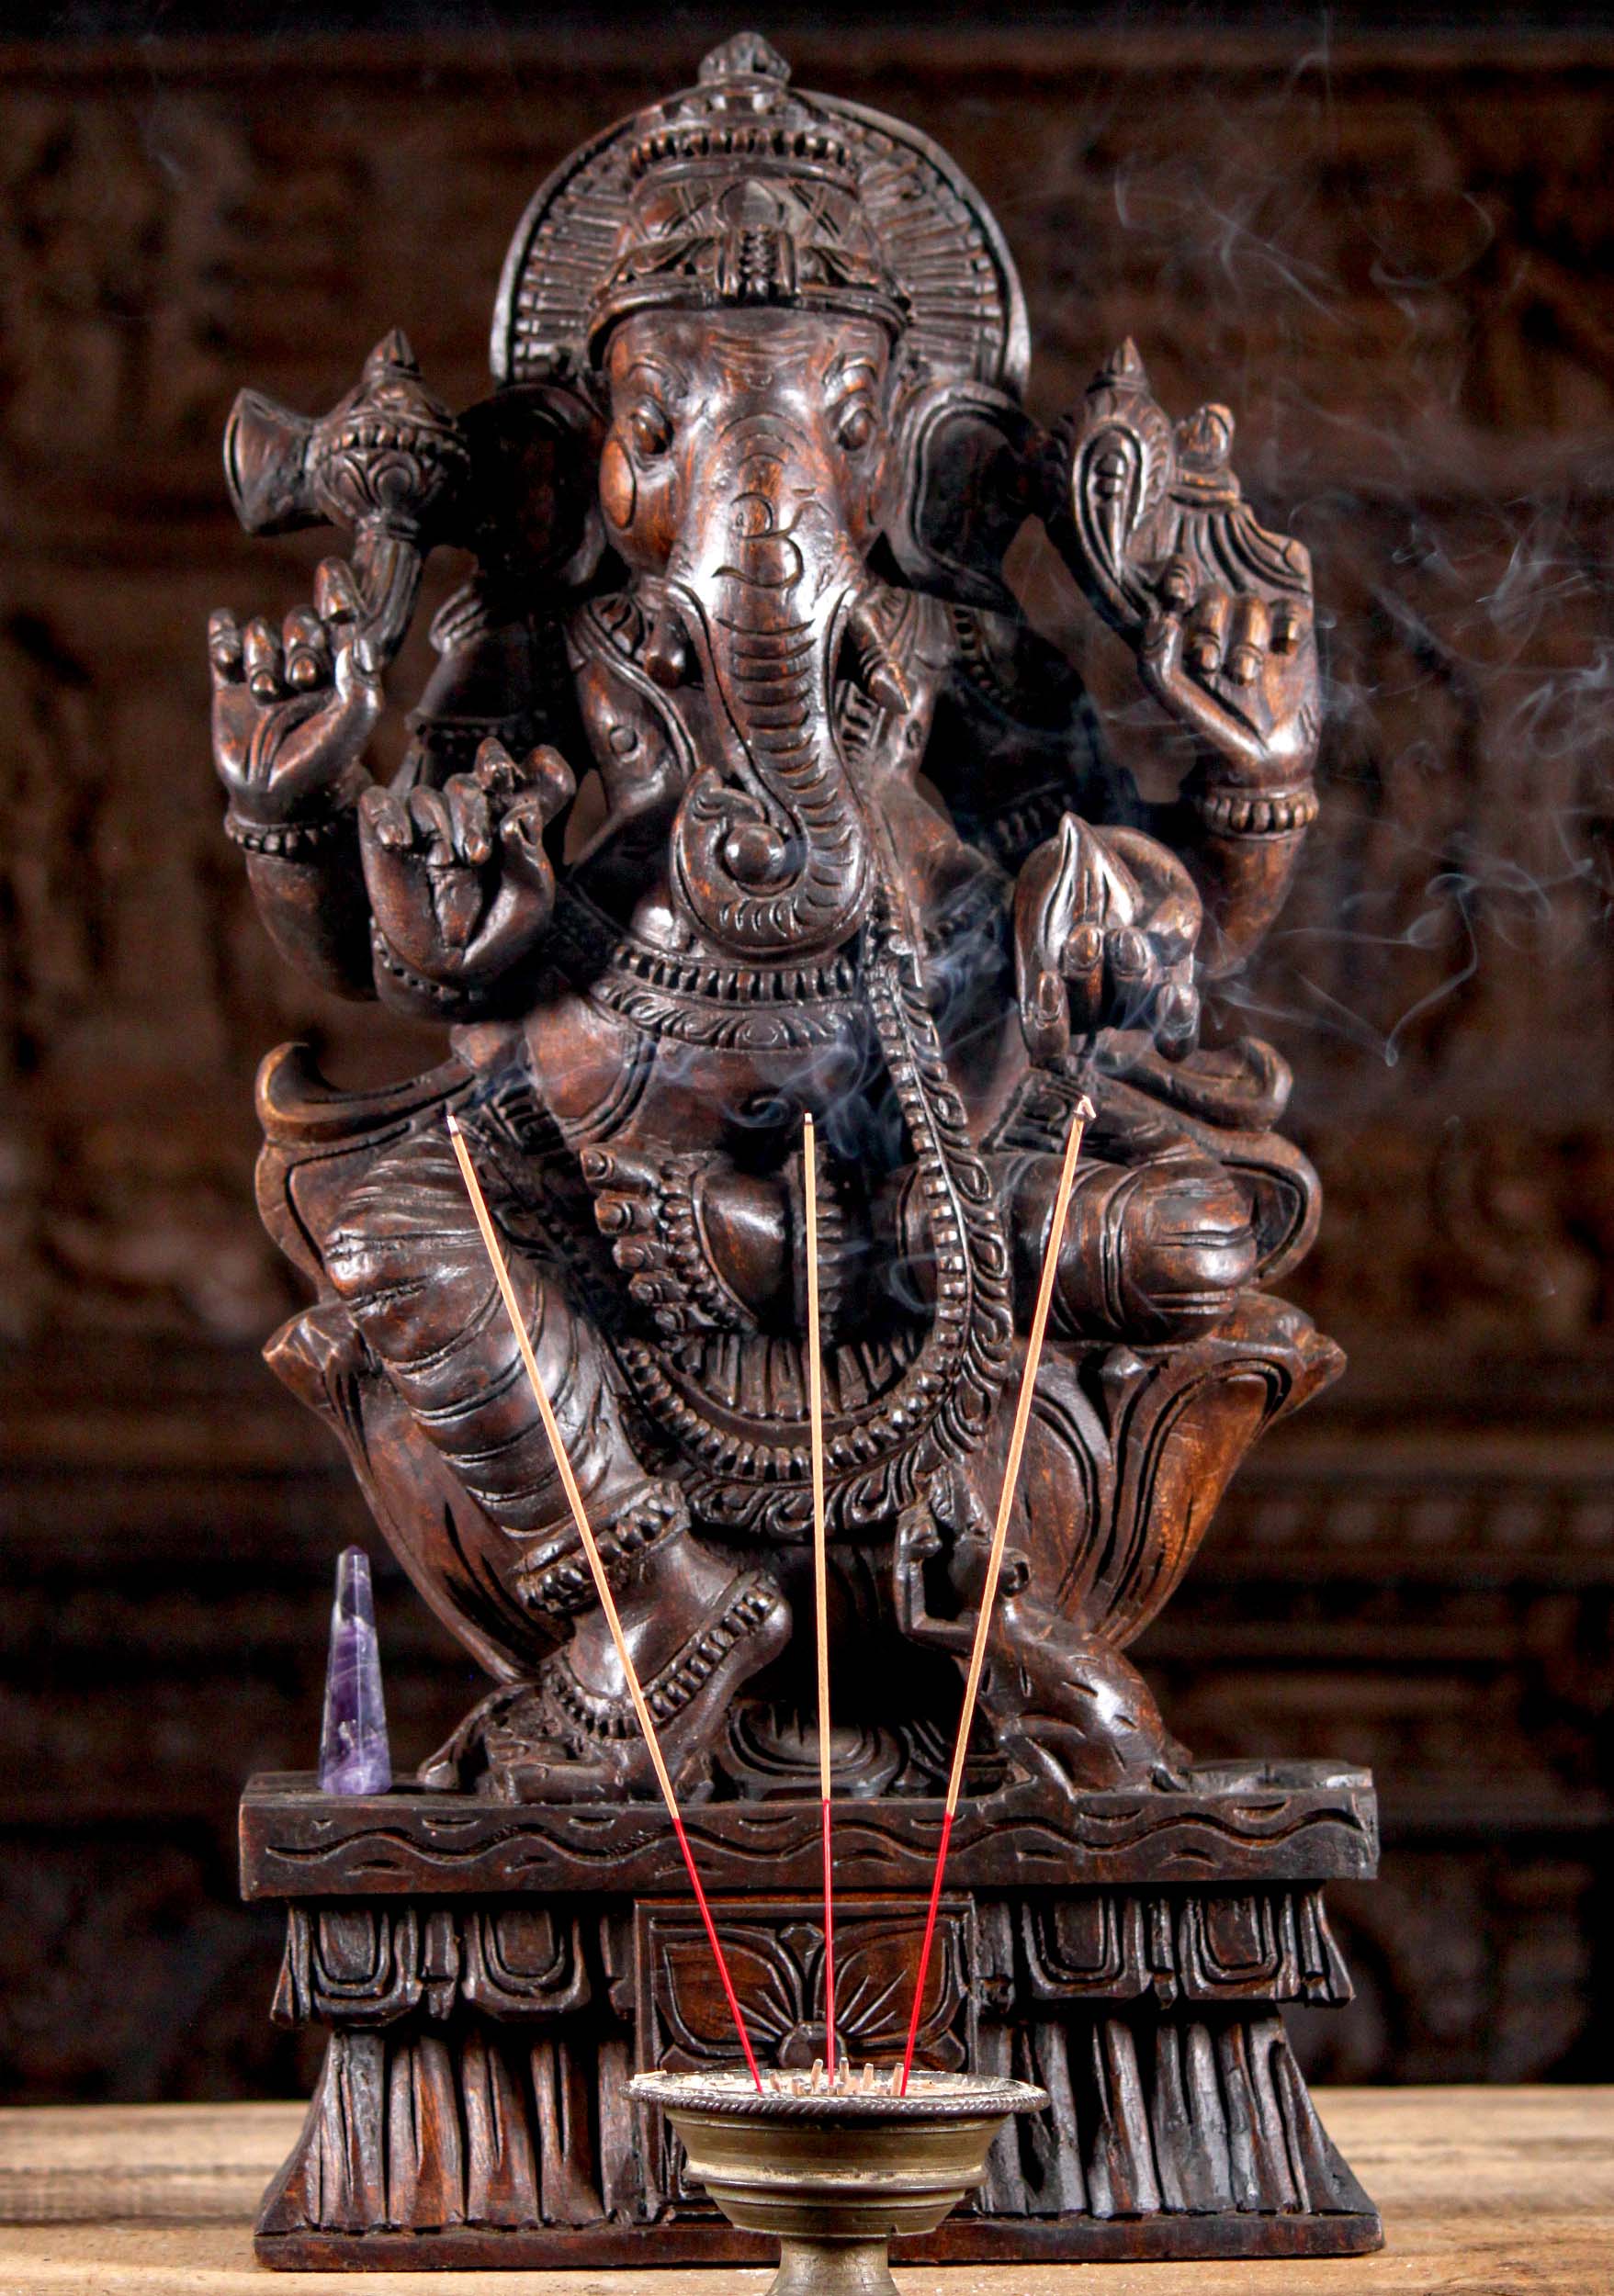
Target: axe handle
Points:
(388, 567)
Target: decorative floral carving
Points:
(775, 1951)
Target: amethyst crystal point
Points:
(353, 1755)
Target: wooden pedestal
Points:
(491, 1976)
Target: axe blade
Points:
(265, 466)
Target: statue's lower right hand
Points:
(293, 709)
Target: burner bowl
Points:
(833, 2172)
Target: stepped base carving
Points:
(491, 1978)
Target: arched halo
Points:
(934, 231)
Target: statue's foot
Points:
(559, 1740)
(512, 1747)
(511, 1712)
(696, 1632)
(689, 1695)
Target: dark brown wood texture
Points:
(490, 1976)
(739, 510)
(1241, 1822)
(1390, 278)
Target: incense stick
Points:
(1081, 1116)
(820, 1563)
(602, 1584)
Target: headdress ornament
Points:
(742, 190)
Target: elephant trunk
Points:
(770, 848)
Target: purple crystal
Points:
(354, 1757)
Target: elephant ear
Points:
(535, 503)
(963, 485)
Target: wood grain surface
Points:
(1493, 2192)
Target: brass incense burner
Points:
(835, 2170)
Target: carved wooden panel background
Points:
(1393, 263)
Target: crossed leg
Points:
(406, 1259)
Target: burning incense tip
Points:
(845, 2081)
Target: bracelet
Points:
(564, 1586)
(666, 1257)
(284, 841)
(418, 984)
(1242, 812)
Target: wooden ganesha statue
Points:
(742, 789)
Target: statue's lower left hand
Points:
(293, 709)
(1106, 923)
(917, 1539)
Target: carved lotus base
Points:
(493, 1978)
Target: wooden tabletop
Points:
(1489, 2192)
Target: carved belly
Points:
(706, 1048)
(687, 1051)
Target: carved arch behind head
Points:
(969, 313)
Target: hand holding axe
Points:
(389, 464)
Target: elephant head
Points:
(805, 337)
(742, 480)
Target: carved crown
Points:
(739, 192)
(741, 112)
(744, 190)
